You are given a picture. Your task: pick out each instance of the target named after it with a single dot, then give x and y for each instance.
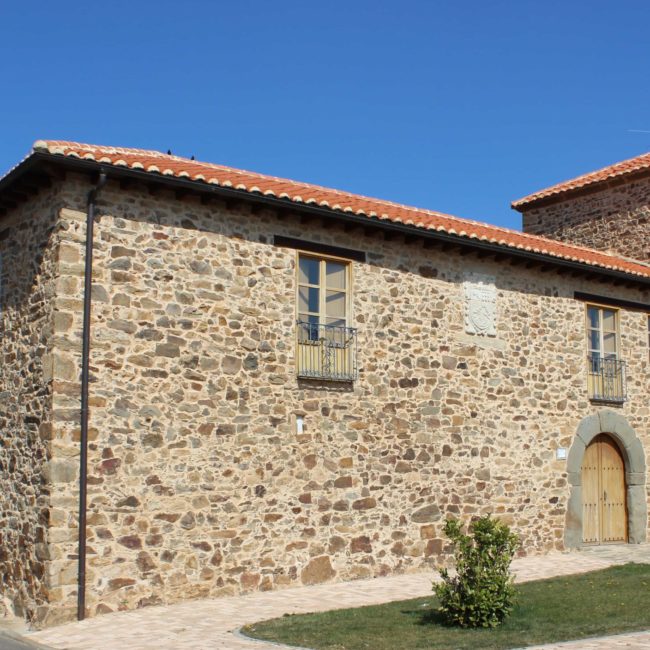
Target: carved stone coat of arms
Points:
(480, 306)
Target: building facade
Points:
(290, 385)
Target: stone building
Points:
(608, 209)
(289, 384)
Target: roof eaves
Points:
(449, 235)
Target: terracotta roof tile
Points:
(637, 164)
(303, 193)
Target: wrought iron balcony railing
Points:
(327, 352)
(606, 379)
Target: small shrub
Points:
(481, 594)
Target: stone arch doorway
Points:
(617, 428)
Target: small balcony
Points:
(327, 352)
(606, 380)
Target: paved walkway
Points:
(12, 635)
(209, 624)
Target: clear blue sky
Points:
(459, 106)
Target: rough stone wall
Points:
(615, 219)
(199, 484)
(27, 281)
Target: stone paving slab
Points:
(209, 624)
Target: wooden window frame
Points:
(617, 328)
(345, 365)
(603, 384)
(323, 259)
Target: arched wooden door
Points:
(604, 511)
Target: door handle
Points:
(605, 496)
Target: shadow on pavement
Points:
(12, 641)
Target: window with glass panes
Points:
(323, 292)
(602, 332)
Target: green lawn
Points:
(603, 602)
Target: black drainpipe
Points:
(85, 361)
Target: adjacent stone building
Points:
(290, 384)
(608, 209)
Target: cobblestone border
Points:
(615, 425)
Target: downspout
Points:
(85, 362)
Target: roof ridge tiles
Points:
(52, 145)
(153, 161)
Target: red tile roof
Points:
(158, 163)
(638, 164)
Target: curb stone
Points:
(282, 646)
(604, 642)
